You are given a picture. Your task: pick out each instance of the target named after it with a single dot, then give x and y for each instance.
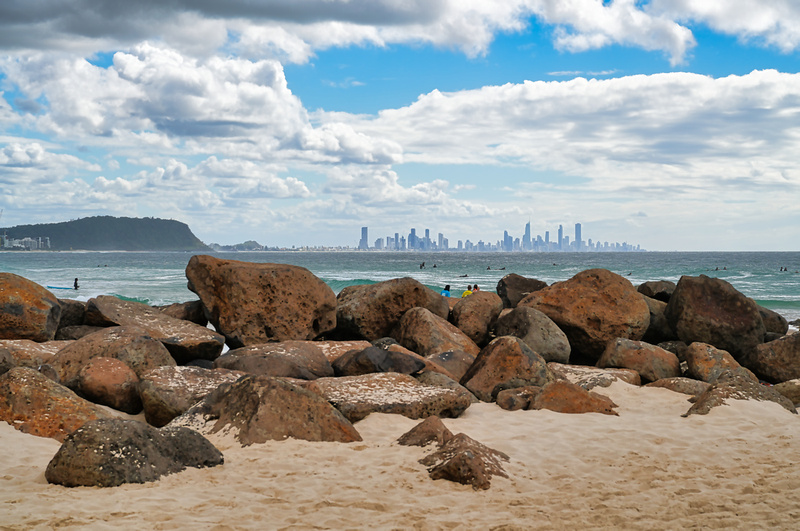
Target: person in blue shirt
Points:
(446, 291)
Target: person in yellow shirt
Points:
(467, 292)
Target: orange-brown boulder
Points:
(566, 397)
(537, 330)
(291, 359)
(710, 310)
(707, 363)
(252, 303)
(27, 353)
(733, 385)
(651, 362)
(512, 288)
(505, 363)
(592, 308)
(185, 341)
(464, 460)
(373, 311)
(426, 333)
(110, 382)
(476, 315)
(35, 404)
(27, 310)
(776, 361)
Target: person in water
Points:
(467, 292)
(76, 284)
(475, 288)
(446, 291)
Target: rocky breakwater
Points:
(308, 365)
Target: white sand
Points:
(646, 469)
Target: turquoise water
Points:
(159, 278)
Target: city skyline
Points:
(526, 243)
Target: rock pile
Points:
(307, 364)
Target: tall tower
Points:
(578, 241)
(526, 239)
(364, 243)
(560, 236)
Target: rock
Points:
(373, 311)
(591, 377)
(430, 430)
(256, 409)
(789, 389)
(292, 359)
(687, 386)
(27, 353)
(427, 334)
(436, 379)
(593, 308)
(776, 361)
(333, 349)
(562, 396)
(659, 330)
(731, 385)
(358, 396)
(191, 311)
(110, 382)
(476, 315)
(537, 330)
(33, 403)
(111, 452)
(429, 364)
(27, 310)
(518, 398)
(72, 313)
(256, 303)
(374, 359)
(505, 363)
(456, 362)
(710, 310)
(185, 341)
(167, 392)
(512, 288)
(676, 347)
(651, 362)
(6, 362)
(466, 461)
(71, 333)
(660, 290)
(128, 344)
(706, 363)
(773, 321)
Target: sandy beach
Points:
(649, 468)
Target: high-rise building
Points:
(578, 241)
(396, 241)
(526, 239)
(364, 242)
(412, 239)
(560, 237)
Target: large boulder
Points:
(110, 382)
(27, 353)
(651, 362)
(334, 349)
(774, 322)
(373, 311)
(537, 330)
(707, 363)
(185, 341)
(686, 386)
(390, 392)
(592, 308)
(426, 333)
(659, 330)
(776, 361)
(256, 409)
(27, 310)
(72, 313)
(591, 377)
(129, 344)
(661, 290)
(188, 311)
(710, 310)
(291, 359)
(35, 404)
(505, 363)
(562, 396)
(512, 288)
(254, 303)
(430, 430)
(736, 386)
(110, 452)
(464, 460)
(167, 392)
(455, 362)
(374, 359)
(476, 315)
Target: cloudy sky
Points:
(674, 124)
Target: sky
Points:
(672, 124)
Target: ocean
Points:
(158, 278)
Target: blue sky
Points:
(673, 124)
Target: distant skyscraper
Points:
(396, 241)
(560, 237)
(526, 239)
(364, 243)
(578, 241)
(412, 239)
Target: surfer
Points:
(75, 286)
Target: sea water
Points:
(159, 278)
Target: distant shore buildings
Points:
(527, 243)
(24, 244)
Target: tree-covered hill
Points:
(107, 233)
